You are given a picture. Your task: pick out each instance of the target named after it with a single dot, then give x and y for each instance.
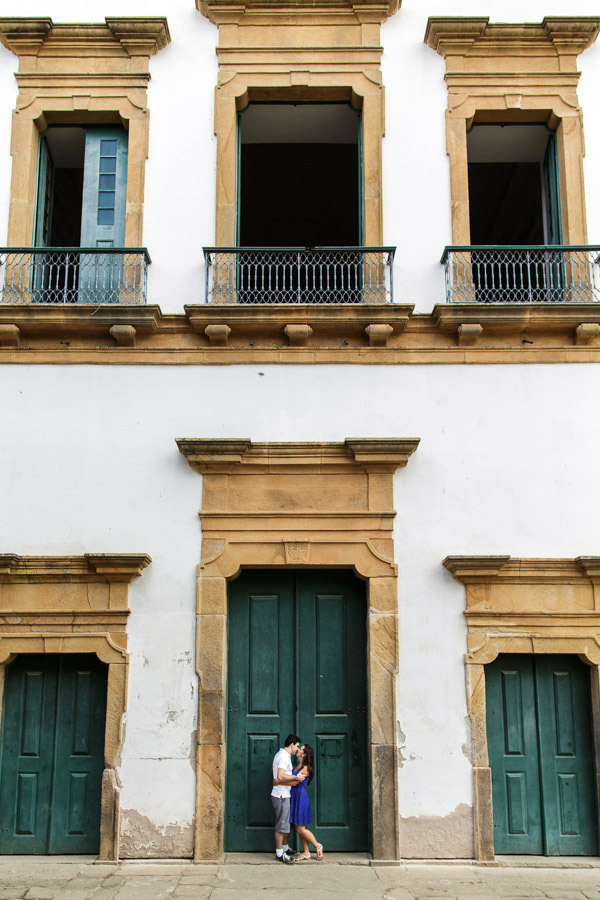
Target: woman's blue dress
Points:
(300, 803)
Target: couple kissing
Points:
(290, 799)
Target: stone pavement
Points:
(343, 876)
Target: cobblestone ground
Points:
(58, 878)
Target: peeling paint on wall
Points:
(142, 839)
(438, 837)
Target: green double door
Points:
(52, 754)
(540, 748)
(297, 664)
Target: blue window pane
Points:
(108, 164)
(106, 199)
(106, 217)
(108, 148)
(107, 182)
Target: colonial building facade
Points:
(299, 346)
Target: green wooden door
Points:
(541, 755)
(52, 754)
(297, 663)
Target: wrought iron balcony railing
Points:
(61, 275)
(299, 275)
(511, 274)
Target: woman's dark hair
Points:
(309, 761)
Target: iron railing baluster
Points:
(66, 275)
(297, 275)
(521, 274)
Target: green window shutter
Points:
(104, 188)
(552, 193)
(103, 214)
(43, 207)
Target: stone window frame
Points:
(290, 51)
(515, 73)
(262, 507)
(523, 606)
(90, 618)
(79, 74)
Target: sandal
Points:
(304, 857)
(319, 851)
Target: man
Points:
(280, 795)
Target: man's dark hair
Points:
(291, 739)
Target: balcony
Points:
(323, 275)
(73, 275)
(522, 274)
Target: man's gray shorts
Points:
(281, 805)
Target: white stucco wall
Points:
(507, 464)
(180, 173)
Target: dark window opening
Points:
(299, 186)
(66, 152)
(299, 175)
(514, 202)
(513, 185)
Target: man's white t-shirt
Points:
(282, 760)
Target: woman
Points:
(300, 803)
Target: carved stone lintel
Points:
(297, 552)
(216, 10)
(464, 568)
(218, 335)
(379, 334)
(88, 567)
(138, 36)
(10, 336)
(458, 35)
(298, 335)
(124, 335)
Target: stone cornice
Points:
(91, 567)
(473, 570)
(139, 36)
(467, 36)
(386, 334)
(368, 454)
(227, 11)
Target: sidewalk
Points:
(341, 876)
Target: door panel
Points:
(27, 754)
(260, 701)
(513, 752)
(297, 663)
(79, 755)
(567, 770)
(52, 754)
(541, 754)
(331, 713)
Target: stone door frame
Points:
(255, 514)
(75, 604)
(523, 606)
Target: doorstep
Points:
(267, 859)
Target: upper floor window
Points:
(79, 145)
(514, 136)
(81, 187)
(514, 195)
(299, 175)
